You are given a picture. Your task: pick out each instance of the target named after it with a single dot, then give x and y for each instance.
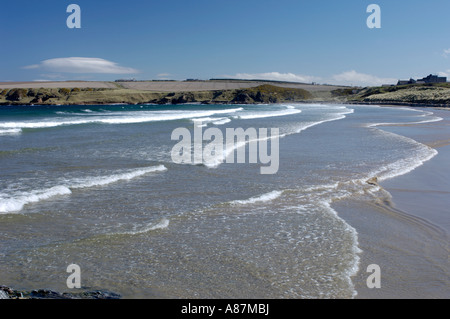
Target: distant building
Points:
(126, 80)
(434, 79)
(410, 81)
(429, 79)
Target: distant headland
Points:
(430, 91)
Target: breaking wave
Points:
(16, 202)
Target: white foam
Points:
(8, 205)
(228, 149)
(82, 112)
(406, 165)
(222, 121)
(432, 120)
(101, 181)
(13, 131)
(116, 118)
(333, 117)
(263, 198)
(265, 114)
(16, 203)
(203, 121)
(403, 166)
(163, 224)
(353, 269)
(423, 114)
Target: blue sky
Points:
(320, 41)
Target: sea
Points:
(97, 186)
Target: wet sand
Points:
(406, 231)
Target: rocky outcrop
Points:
(185, 98)
(8, 293)
(437, 94)
(16, 94)
(372, 181)
(243, 98)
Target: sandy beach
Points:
(406, 233)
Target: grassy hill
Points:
(413, 94)
(92, 96)
(436, 94)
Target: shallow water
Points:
(96, 186)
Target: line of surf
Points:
(265, 114)
(259, 199)
(119, 118)
(163, 224)
(406, 165)
(229, 149)
(12, 131)
(10, 204)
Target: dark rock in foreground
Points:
(8, 293)
(373, 181)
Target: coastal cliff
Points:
(414, 95)
(9, 293)
(94, 96)
(436, 94)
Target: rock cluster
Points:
(8, 293)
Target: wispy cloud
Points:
(350, 78)
(446, 53)
(445, 73)
(164, 76)
(275, 76)
(52, 76)
(81, 65)
(360, 79)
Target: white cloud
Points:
(360, 79)
(30, 67)
(164, 75)
(350, 78)
(275, 76)
(445, 73)
(53, 76)
(82, 65)
(446, 53)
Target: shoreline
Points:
(406, 230)
(443, 107)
